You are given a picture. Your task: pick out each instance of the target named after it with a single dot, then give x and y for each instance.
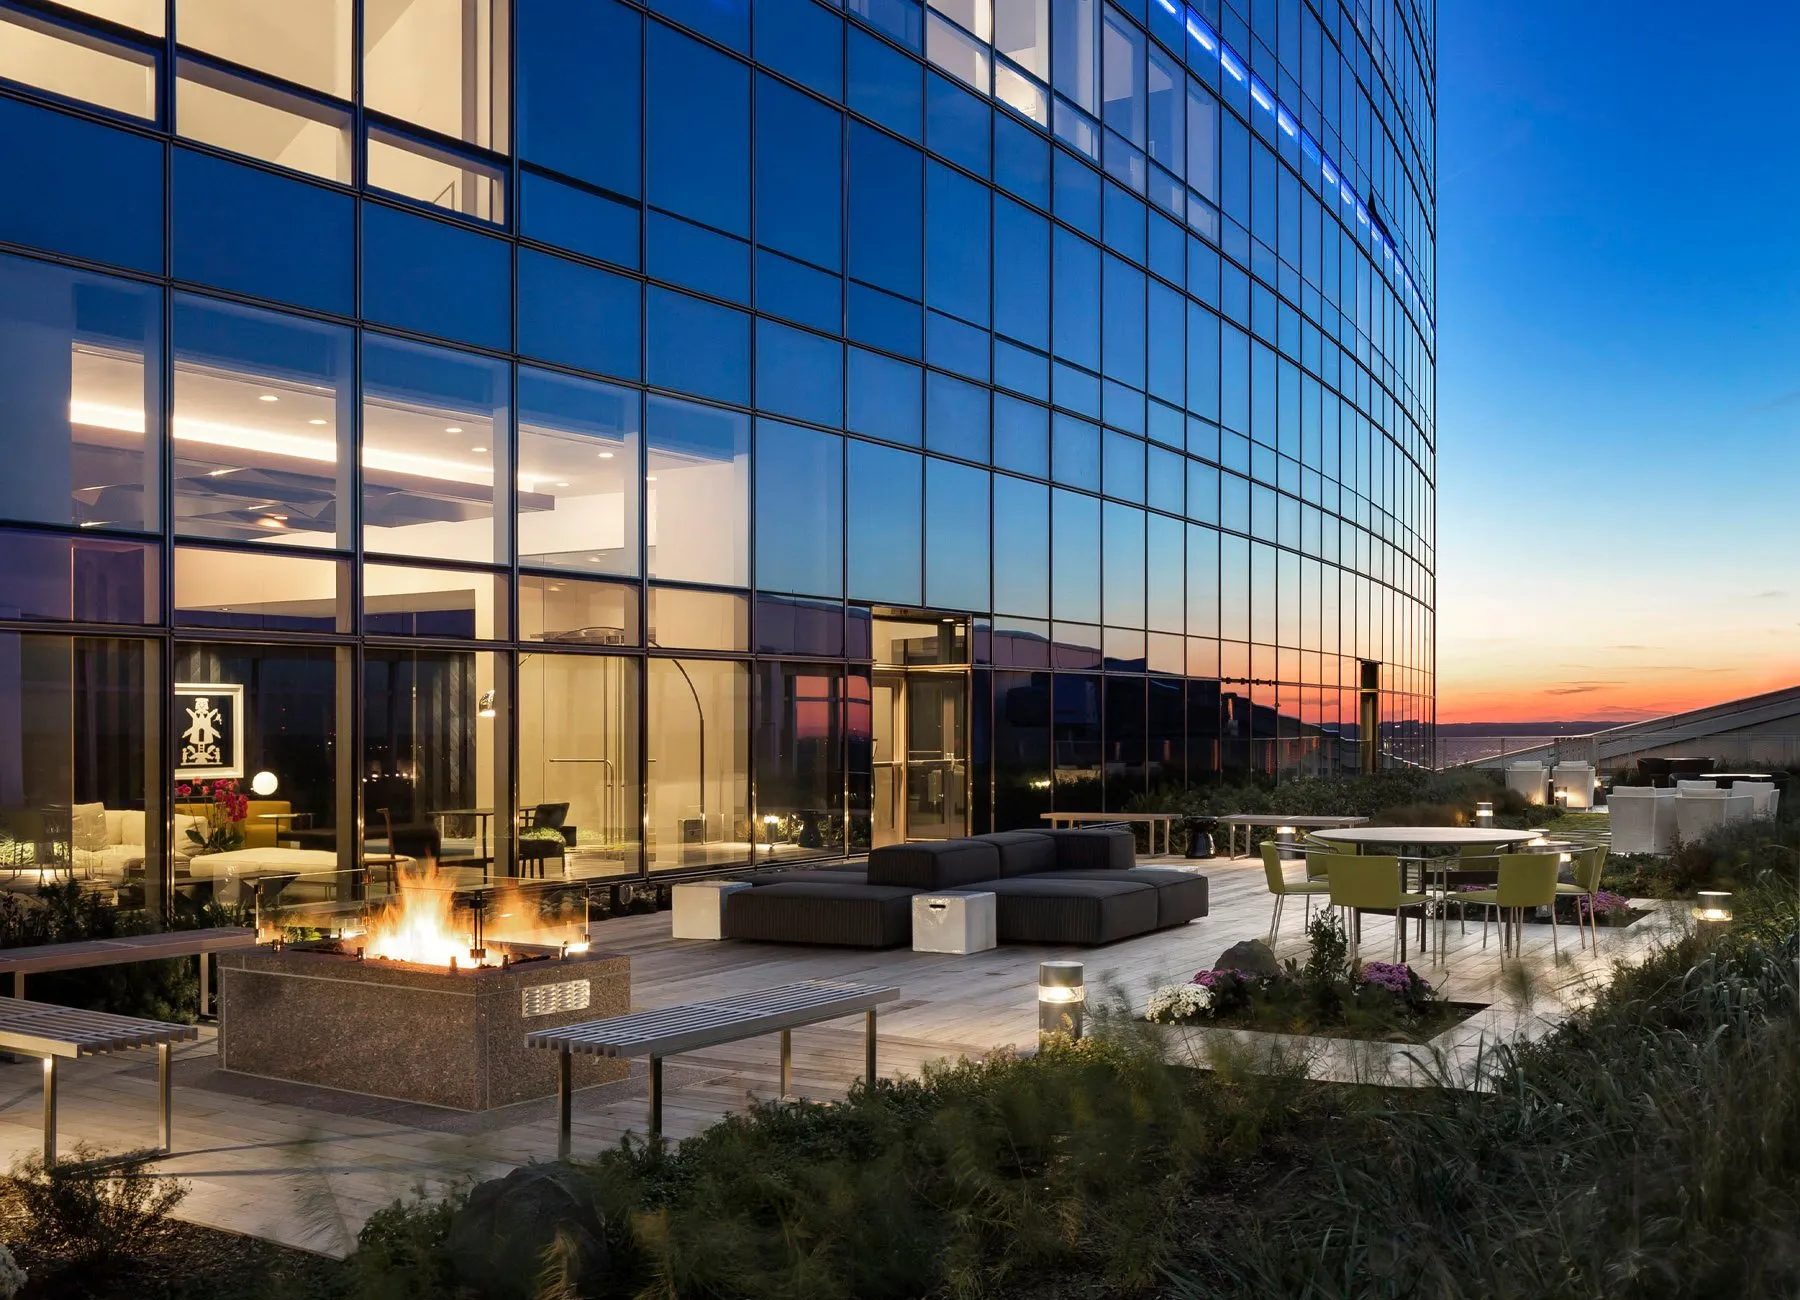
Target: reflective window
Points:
(110, 209)
(434, 464)
(885, 397)
(1074, 452)
(1022, 34)
(578, 315)
(580, 90)
(436, 277)
(802, 40)
(956, 250)
(799, 510)
(799, 374)
(145, 15)
(956, 535)
(956, 417)
(698, 347)
(308, 44)
(1164, 543)
(263, 426)
(1167, 106)
(1076, 311)
(1075, 51)
(800, 737)
(1075, 557)
(77, 65)
(86, 579)
(80, 398)
(1022, 560)
(1021, 274)
(440, 66)
(884, 546)
(799, 173)
(885, 211)
(1123, 552)
(697, 132)
(578, 764)
(699, 752)
(885, 85)
(1122, 62)
(1022, 710)
(244, 229)
(578, 474)
(698, 490)
(261, 121)
(958, 124)
(1021, 436)
(1075, 736)
(1124, 467)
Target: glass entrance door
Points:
(921, 759)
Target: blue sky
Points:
(1618, 357)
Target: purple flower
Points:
(1604, 903)
(1393, 977)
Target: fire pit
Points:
(419, 1007)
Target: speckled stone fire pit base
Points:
(414, 1033)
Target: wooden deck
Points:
(307, 1165)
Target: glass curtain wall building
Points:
(588, 438)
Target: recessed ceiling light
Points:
(217, 473)
(606, 455)
(649, 478)
(270, 522)
(453, 428)
(562, 485)
(316, 421)
(478, 450)
(268, 397)
(593, 559)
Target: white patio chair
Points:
(1530, 780)
(1643, 819)
(1577, 780)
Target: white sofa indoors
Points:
(1530, 780)
(103, 841)
(1643, 819)
(1577, 781)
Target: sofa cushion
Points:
(811, 876)
(1099, 847)
(87, 827)
(1022, 853)
(1181, 896)
(851, 916)
(934, 864)
(1049, 909)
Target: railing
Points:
(1748, 751)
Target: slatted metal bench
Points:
(44, 958)
(667, 1031)
(57, 1033)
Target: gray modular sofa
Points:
(1050, 887)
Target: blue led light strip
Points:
(1332, 177)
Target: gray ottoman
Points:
(845, 916)
(934, 864)
(1022, 853)
(1181, 896)
(1049, 909)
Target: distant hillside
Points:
(1528, 728)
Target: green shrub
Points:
(83, 1220)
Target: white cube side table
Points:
(699, 908)
(960, 922)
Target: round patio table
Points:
(1412, 841)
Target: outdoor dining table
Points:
(1249, 821)
(1412, 841)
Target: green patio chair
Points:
(1527, 880)
(1274, 869)
(1371, 882)
(1587, 866)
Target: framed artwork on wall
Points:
(209, 730)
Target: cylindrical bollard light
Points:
(1284, 841)
(1062, 998)
(1484, 814)
(1712, 907)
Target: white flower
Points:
(12, 1277)
(1174, 1003)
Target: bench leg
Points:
(656, 1096)
(205, 987)
(787, 1062)
(564, 1104)
(18, 984)
(49, 1111)
(869, 1048)
(165, 1096)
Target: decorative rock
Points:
(1251, 957)
(497, 1241)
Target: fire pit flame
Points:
(423, 925)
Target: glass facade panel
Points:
(263, 426)
(1051, 343)
(77, 65)
(699, 755)
(80, 398)
(434, 452)
(578, 474)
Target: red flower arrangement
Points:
(227, 808)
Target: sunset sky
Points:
(1619, 359)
